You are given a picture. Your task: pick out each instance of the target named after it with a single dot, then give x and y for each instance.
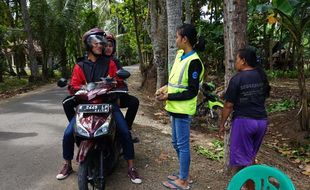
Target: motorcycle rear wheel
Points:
(88, 176)
(210, 117)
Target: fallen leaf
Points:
(307, 168)
(158, 114)
(296, 161)
(285, 152)
(306, 173)
(163, 156)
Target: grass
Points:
(214, 152)
(293, 74)
(13, 83)
(283, 105)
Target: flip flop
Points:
(168, 185)
(173, 185)
(175, 176)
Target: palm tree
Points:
(235, 22)
(174, 17)
(33, 62)
(158, 35)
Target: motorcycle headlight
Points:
(104, 129)
(80, 130)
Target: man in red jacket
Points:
(91, 69)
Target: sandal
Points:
(173, 185)
(175, 176)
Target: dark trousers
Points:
(132, 104)
(69, 104)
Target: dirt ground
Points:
(156, 158)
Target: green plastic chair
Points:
(261, 175)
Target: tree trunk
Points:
(2, 60)
(158, 35)
(174, 15)
(44, 55)
(303, 94)
(188, 14)
(32, 58)
(63, 62)
(137, 33)
(235, 19)
(9, 67)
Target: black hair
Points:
(190, 32)
(250, 58)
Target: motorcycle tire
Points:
(201, 110)
(87, 172)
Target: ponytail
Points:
(200, 44)
(190, 32)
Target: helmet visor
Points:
(96, 40)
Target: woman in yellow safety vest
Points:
(181, 99)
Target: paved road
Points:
(31, 129)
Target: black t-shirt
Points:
(246, 92)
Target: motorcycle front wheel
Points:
(88, 176)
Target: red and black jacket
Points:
(86, 71)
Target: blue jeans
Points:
(180, 142)
(126, 139)
(68, 141)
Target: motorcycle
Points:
(210, 107)
(95, 133)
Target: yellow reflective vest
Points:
(178, 82)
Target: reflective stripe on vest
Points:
(178, 82)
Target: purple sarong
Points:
(245, 139)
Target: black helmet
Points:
(93, 34)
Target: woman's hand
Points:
(162, 90)
(162, 97)
(162, 93)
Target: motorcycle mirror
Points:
(123, 74)
(62, 82)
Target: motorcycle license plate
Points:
(94, 108)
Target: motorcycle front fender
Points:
(84, 148)
(214, 104)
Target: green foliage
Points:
(213, 55)
(126, 54)
(12, 83)
(284, 6)
(91, 20)
(298, 153)
(283, 105)
(125, 14)
(274, 74)
(293, 74)
(215, 152)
